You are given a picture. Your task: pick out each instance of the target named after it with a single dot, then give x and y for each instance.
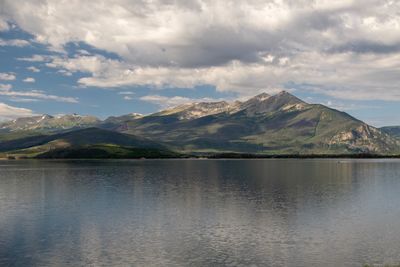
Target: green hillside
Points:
(280, 124)
(85, 143)
(267, 125)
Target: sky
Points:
(115, 57)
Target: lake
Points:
(282, 212)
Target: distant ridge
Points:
(88, 142)
(48, 123)
(392, 130)
(280, 124)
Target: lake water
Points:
(200, 213)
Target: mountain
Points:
(264, 124)
(264, 104)
(87, 143)
(392, 130)
(48, 123)
(123, 118)
(197, 110)
(278, 124)
(111, 121)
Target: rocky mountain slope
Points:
(265, 124)
(391, 130)
(48, 123)
(278, 124)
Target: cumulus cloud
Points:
(33, 69)
(34, 58)
(346, 76)
(65, 72)
(29, 80)
(344, 49)
(14, 42)
(105, 72)
(7, 76)
(3, 25)
(8, 112)
(5, 86)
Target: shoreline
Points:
(224, 156)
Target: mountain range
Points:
(280, 124)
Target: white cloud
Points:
(33, 69)
(29, 80)
(127, 97)
(8, 112)
(3, 25)
(115, 73)
(65, 72)
(83, 52)
(34, 58)
(23, 100)
(126, 93)
(5, 86)
(14, 42)
(7, 76)
(344, 49)
(348, 106)
(5, 90)
(338, 75)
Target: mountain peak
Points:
(135, 115)
(265, 103)
(261, 97)
(286, 96)
(283, 92)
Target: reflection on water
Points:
(199, 213)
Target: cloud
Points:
(33, 69)
(83, 52)
(342, 75)
(23, 100)
(110, 73)
(14, 42)
(345, 49)
(165, 101)
(126, 93)
(7, 76)
(65, 72)
(8, 112)
(3, 25)
(5, 86)
(29, 80)
(348, 106)
(5, 90)
(34, 58)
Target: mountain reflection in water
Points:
(199, 212)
